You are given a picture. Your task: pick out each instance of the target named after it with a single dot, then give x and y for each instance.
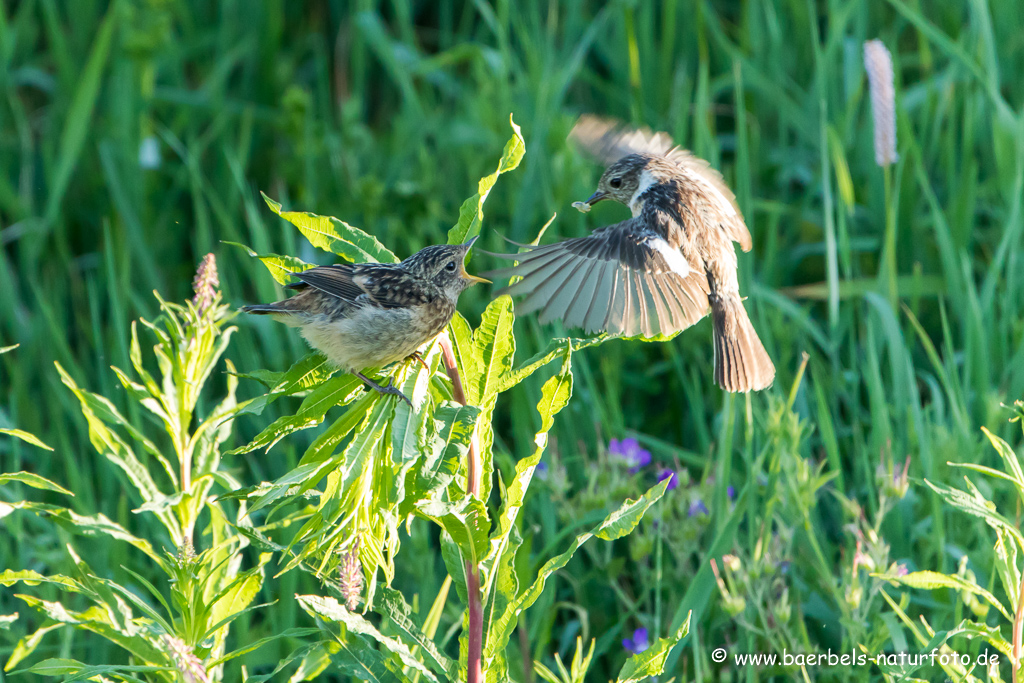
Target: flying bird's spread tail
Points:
(741, 362)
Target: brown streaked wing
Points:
(617, 280)
(335, 280)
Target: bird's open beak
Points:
(472, 278)
(596, 197)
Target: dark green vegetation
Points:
(386, 116)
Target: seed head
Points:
(189, 666)
(878, 63)
(350, 576)
(205, 284)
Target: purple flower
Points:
(664, 474)
(638, 643)
(542, 471)
(731, 492)
(629, 450)
(697, 507)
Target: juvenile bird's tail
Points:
(261, 309)
(741, 363)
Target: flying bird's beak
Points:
(596, 197)
(472, 278)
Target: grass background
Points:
(385, 114)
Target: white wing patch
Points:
(675, 259)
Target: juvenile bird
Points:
(658, 272)
(368, 315)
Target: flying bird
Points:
(658, 272)
(369, 315)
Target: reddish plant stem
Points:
(475, 637)
(1018, 627)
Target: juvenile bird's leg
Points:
(416, 355)
(390, 389)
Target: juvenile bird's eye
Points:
(615, 182)
(450, 266)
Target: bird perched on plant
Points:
(368, 315)
(658, 272)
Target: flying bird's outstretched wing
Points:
(622, 279)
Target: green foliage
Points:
(380, 462)
(178, 627)
(133, 136)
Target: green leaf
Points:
(35, 481)
(465, 520)
(391, 604)
(333, 392)
(651, 662)
(615, 525)
(337, 237)
(6, 620)
(472, 211)
(977, 505)
(25, 436)
(333, 611)
(89, 526)
(930, 580)
(9, 577)
(555, 348)
(5, 349)
(307, 372)
(281, 267)
(495, 345)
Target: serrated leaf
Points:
(333, 392)
(281, 267)
(330, 234)
(930, 580)
(651, 662)
(978, 506)
(555, 348)
(496, 347)
(333, 611)
(465, 520)
(35, 481)
(471, 212)
(391, 604)
(25, 436)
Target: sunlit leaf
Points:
(35, 481)
(472, 211)
(25, 436)
(338, 237)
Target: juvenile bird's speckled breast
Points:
(371, 336)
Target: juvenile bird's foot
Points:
(416, 356)
(387, 390)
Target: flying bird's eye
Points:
(450, 266)
(615, 182)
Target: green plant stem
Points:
(475, 637)
(889, 249)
